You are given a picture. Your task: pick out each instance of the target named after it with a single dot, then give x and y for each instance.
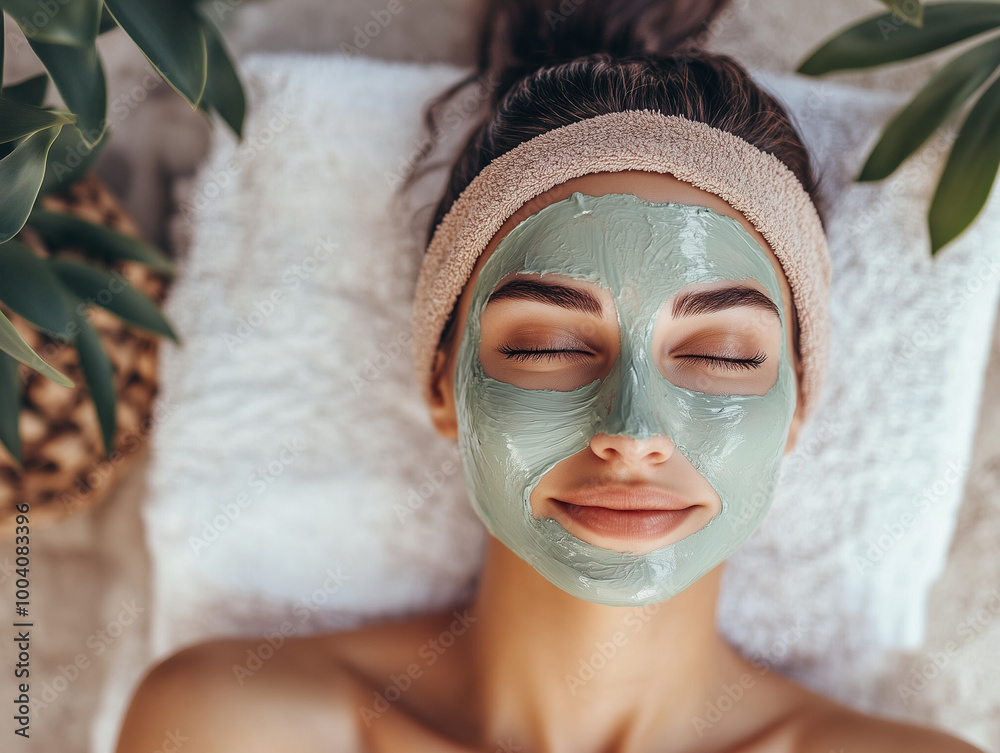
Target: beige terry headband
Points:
(756, 183)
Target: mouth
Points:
(627, 512)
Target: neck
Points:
(557, 673)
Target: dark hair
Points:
(552, 63)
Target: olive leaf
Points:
(31, 91)
(22, 171)
(69, 159)
(13, 344)
(79, 76)
(170, 35)
(95, 285)
(223, 91)
(933, 106)
(18, 120)
(63, 34)
(66, 22)
(30, 288)
(969, 172)
(10, 405)
(99, 375)
(885, 39)
(60, 230)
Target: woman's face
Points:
(589, 395)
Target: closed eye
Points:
(538, 354)
(730, 364)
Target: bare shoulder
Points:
(833, 728)
(246, 695)
(808, 722)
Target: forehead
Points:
(630, 246)
(656, 187)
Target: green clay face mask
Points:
(509, 437)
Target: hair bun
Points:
(521, 36)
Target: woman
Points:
(622, 319)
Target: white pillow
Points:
(293, 435)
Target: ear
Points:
(442, 397)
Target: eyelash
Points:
(536, 354)
(733, 364)
(730, 364)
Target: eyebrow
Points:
(685, 305)
(710, 301)
(548, 292)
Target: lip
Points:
(630, 512)
(626, 497)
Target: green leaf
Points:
(18, 121)
(100, 377)
(67, 22)
(64, 230)
(969, 172)
(69, 159)
(31, 91)
(170, 36)
(79, 76)
(940, 98)
(113, 292)
(10, 405)
(13, 344)
(887, 39)
(29, 287)
(911, 11)
(223, 90)
(21, 174)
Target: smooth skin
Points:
(526, 666)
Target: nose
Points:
(654, 450)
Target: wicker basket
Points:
(65, 469)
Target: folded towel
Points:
(295, 475)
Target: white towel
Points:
(296, 478)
